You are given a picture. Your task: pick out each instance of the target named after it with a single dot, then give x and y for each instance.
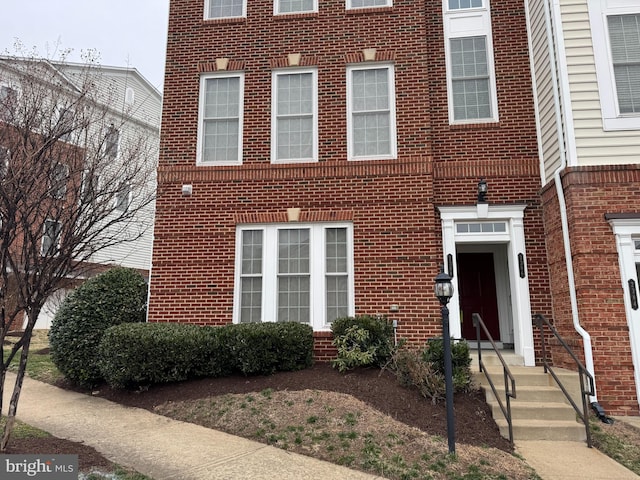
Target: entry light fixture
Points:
(483, 188)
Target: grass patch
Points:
(618, 441)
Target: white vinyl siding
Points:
(294, 274)
(371, 116)
(471, 83)
(225, 9)
(220, 119)
(294, 127)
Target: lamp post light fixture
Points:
(444, 292)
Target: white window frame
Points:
(110, 151)
(392, 112)
(16, 92)
(207, 9)
(202, 95)
(44, 250)
(599, 10)
(276, 8)
(446, 6)
(464, 23)
(317, 269)
(274, 115)
(387, 3)
(121, 203)
(58, 181)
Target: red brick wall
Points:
(392, 203)
(590, 193)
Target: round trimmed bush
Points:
(111, 298)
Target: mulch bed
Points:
(473, 422)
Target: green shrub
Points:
(356, 348)
(111, 298)
(132, 355)
(150, 353)
(460, 361)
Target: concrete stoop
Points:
(540, 410)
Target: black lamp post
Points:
(444, 292)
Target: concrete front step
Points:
(558, 430)
(535, 410)
(540, 410)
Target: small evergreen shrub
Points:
(111, 298)
(132, 355)
(357, 348)
(150, 353)
(354, 349)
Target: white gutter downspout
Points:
(586, 338)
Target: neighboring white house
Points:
(133, 109)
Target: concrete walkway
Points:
(164, 449)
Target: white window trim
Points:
(388, 3)
(274, 120)
(392, 109)
(450, 10)
(598, 13)
(276, 9)
(317, 268)
(470, 22)
(123, 207)
(200, 141)
(207, 9)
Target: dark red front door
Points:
(477, 284)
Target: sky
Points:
(125, 33)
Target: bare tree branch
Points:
(72, 186)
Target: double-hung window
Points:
(8, 102)
(624, 34)
(471, 84)
(294, 274)
(220, 124)
(51, 238)
(59, 175)
(371, 116)
(283, 7)
(615, 29)
(294, 129)
(123, 197)
(368, 3)
(225, 9)
(111, 142)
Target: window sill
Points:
(475, 126)
(218, 21)
(367, 10)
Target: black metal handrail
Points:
(541, 321)
(509, 380)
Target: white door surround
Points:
(627, 231)
(493, 224)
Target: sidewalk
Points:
(164, 449)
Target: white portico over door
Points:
(497, 231)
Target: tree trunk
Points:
(17, 388)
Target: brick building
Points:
(321, 159)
